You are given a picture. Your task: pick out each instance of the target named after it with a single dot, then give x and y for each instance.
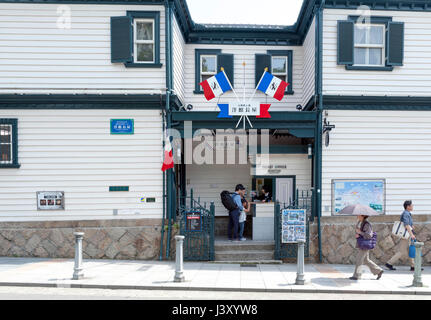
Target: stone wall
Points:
(104, 239)
(338, 239)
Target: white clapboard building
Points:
(87, 89)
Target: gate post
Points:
(277, 230)
(211, 233)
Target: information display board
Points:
(193, 221)
(50, 200)
(293, 225)
(367, 192)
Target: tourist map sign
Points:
(293, 225)
(366, 192)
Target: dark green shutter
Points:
(395, 43)
(121, 39)
(345, 38)
(226, 61)
(262, 61)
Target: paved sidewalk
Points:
(128, 274)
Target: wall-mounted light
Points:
(310, 151)
(298, 107)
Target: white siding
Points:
(73, 151)
(393, 145)
(178, 59)
(413, 78)
(208, 181)
(243, 53)
(309, 72)
(36, 55)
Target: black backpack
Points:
(227, 200)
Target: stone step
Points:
(249, 262)
(243, 245)
(235, 255)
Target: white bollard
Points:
(300, 277)
(179, 273)
(417, 277)
(78, 270)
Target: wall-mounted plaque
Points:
(122, 126)
(50, 200)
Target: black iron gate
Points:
(303, 200)
(197, 226)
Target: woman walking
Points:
(364, 235)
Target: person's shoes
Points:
(379, 275)
(413, 269)
(242, 239)
(353, 278)
(390, 267)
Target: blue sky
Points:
(275, 12)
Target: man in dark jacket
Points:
(234, 214)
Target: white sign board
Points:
(244, 109)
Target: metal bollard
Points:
(179, 274)
(417, 278)
(300, 277)
(78, 270)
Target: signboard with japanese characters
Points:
(50, 200)
(122, 126)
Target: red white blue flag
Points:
(168, 161)
(272, 86)
(216, 85)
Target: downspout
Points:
(164, 195)
(168, 58)
(318, 185)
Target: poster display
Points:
(50, 200)
(293, 225)
(366, 192)
(193, 221)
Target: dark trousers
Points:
(233, 223)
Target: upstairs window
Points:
(144, 47)
(369, 45)
(279, 67)
(208, 65)
(8, 143)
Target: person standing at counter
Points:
(234, 214)
(267, 197)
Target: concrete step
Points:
(243, 245)
(249, 262)
(247, 255)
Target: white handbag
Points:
(400, 230)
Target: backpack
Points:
(227, 200)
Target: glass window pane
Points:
(375, 56)
(360, 35)
(376, 35)
(145, 52)
(208, 64)
(5, 134)
(5, 152)
(144, 31)
(279, 65)
(360, 55)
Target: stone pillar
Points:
(417, 278)
(78, 270)
(300, 278)
(179, 274)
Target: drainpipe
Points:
(163, 198)
(318, 185)
(168, 39)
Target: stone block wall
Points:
(338, 239)
(103, 239)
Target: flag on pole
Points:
(272, 86)
(168, 161)
(216, 85)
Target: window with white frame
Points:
(279, 67)
(6, 144)
(369, 44)
(144, 45)
(208, 66)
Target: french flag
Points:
(216, 85)
(272, 86)
(168, 162)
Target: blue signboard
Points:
(122, 126)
